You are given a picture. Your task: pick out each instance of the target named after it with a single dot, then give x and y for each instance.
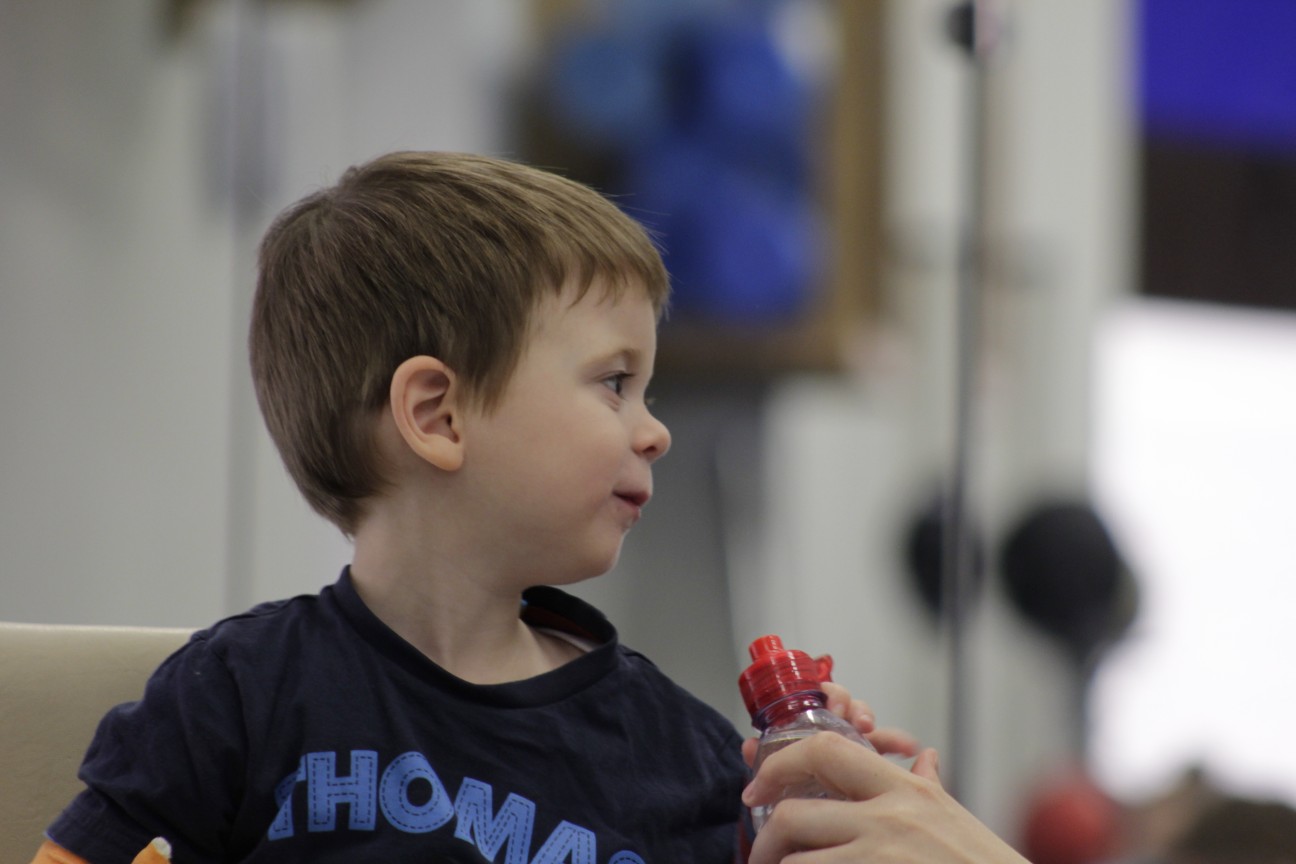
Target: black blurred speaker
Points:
(925, 555)
(1062, 571)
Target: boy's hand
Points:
(890, 815)
(887, 740)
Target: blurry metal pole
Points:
(974, 28)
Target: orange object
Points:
(157, 852)
(1071, 821)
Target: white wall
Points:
(115, 332)
(139, 167)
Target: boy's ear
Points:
(425, 406)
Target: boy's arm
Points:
(157, 852)
(165, 766)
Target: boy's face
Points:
(561, 468)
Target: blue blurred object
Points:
(709, 122)
(665, 179)
(739, 248)
(1219, 70)
(760, 259)
(609, 88)
(739, 92)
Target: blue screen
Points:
(1220, 71)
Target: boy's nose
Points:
(653, 439)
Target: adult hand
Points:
(888, 740)
(890, 814)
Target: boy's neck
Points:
(465, 622)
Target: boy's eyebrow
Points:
(628, 356)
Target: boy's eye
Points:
(616, 383)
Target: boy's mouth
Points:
(638, 499)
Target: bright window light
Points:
(1195, 471)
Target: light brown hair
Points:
(443, 254)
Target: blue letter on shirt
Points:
(394, 795)
(326, 790)
(568, 840)
(475, 812)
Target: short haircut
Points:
(442, 254)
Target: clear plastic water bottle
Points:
(782, 690)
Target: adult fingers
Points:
(798, 827)
(888, 740)
(843, 766)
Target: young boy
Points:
(451, 354)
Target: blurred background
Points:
(820, 174)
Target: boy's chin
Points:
(590, 570)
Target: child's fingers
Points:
(749, 751)
(854, 711)
(927, 765)
(890, 740)
(157, 852)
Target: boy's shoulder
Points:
(265, 615)
(271, 628)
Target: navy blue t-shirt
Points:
(307, 730)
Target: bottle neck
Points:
(783, 710)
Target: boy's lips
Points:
(638, 499)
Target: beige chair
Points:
(56, 682)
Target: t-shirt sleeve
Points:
(170, 765)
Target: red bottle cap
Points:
(776, 672)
